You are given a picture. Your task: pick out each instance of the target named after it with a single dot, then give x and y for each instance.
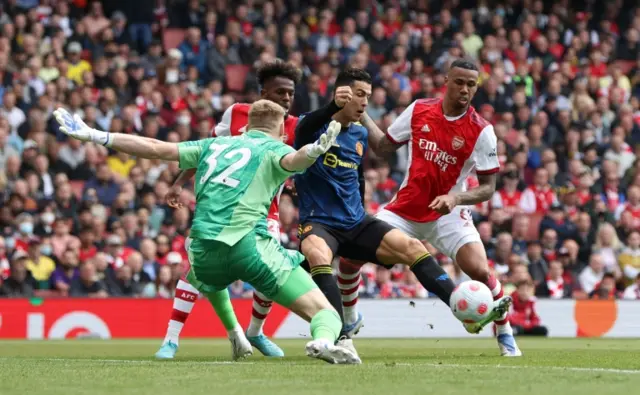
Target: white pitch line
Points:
(563, 368)
(380, 364)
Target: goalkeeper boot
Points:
(334, 354)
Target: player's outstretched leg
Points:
(472, 259)
(349, 282)
(302, 296)
(183, 301)
(240, 346)
(259, 312)
(397, 247)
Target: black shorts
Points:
(359, 243)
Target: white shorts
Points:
(447, 234)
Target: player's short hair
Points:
(464, 64)
(350, 75)
(266, 116)
(278, 68)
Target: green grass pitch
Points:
(403, 367)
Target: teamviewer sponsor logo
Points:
(434, 154)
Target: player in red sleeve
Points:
(277, 81)
(447, 140)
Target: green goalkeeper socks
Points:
(326, 324)
(222, 305)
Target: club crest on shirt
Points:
(359, 148)
(457, 142)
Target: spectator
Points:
(65, 273)
(103, 186)
(555, 285)
(539, 197)
(219, 57)
(163, 287)
(609, 247)
(606, 289)
(194, 50)
(87, 284)
(536, 264)
(39, 263)
(77, 66)
(524, 318)
(629, 258)
(19, 284)
(632, 292)
(592, 274)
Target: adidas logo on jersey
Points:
(426, 128)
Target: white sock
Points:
(183, 301)
(261, 308)
(349, 285)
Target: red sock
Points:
(497, 291)
(349, 283)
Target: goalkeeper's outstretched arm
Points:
(142, 147)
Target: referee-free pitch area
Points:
(412, 366)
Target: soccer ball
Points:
(471, 302)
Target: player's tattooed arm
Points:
(378, 141)
(480, 194)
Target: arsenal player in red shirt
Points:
(277, 80)
(447, 141)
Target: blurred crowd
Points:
(560, 81)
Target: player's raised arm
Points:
(142, 147)
(307, 155)
(315, 120)
(378, 140)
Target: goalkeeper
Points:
(236, 180)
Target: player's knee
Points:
(414, 249)
(316, 251)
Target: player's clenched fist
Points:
(443, 204)
(343, 96)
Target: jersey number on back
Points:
(224, 178)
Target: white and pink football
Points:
(471, 302)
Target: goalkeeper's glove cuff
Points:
(102, 138)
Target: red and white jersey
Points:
(508, 201)
(234, 122)
(537, 199)
(634, 210)
(443, 151)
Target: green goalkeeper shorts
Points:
(257, 260)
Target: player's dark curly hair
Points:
(464, 64)
(350, 75)
(278, 68)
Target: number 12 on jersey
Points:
(235, 160)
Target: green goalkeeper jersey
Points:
(236, 180)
